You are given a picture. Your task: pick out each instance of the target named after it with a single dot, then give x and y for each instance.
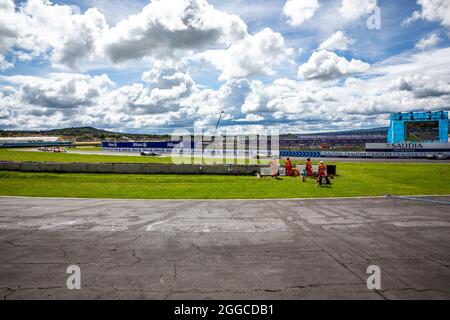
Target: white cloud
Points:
(116, 10)
(78, 41)
(60, 90)
(134, 103)
(432, 10)
(162, 92)
(228, 98)
(298, 11)
(8, 32)
(254, 55)
(354, 9)
(58, 100)
(422, 86)
(325, 65)
(302, 107)
(429, 42)
(308, 106)
(67, 37)
(254, 12)
(432, 62)
(168, 98)
(46, 29)
(163, 27)
(337, 41)
(7, 6)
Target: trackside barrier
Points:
(138, 168)
(301, 154)
(361, 154)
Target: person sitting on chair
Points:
(322, 174)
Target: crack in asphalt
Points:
(11, 243)
(234, 291)
(271, 290)
(296, 228)
(416, 290)
(133, 253)
(13, 291)
(176, 254)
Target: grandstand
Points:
(334, 140)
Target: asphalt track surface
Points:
(136, 154)
(268, 249)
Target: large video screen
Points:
(422, 131)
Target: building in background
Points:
(33, 142)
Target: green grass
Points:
(21, 155)
(87, 148)
(17, 155)
(355, 179)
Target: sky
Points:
(297, 66)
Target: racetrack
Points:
(227, 249)
(302, 160)
(374, 160)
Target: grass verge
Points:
(355, 179)
(21, 155)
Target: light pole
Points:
(215, 132)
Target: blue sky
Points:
(295, 65)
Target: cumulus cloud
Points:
(45, 29)
(79, 41)
(298, 11)
(337, 41)
(422, 86)
(8, 31)
(254, 55)
(67, 37)
(429, 42)
(228, 98)
(168, 98)
(163, 27)
(162, 92)
(354, 9)
(180, 111)
(432, 10)
(325, 65)
(60, 90)
(283, 95)
(306, 106)
(300, 107)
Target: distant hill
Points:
(79, 131)
(66, 131)
(83, 134)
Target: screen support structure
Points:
(423, 121)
